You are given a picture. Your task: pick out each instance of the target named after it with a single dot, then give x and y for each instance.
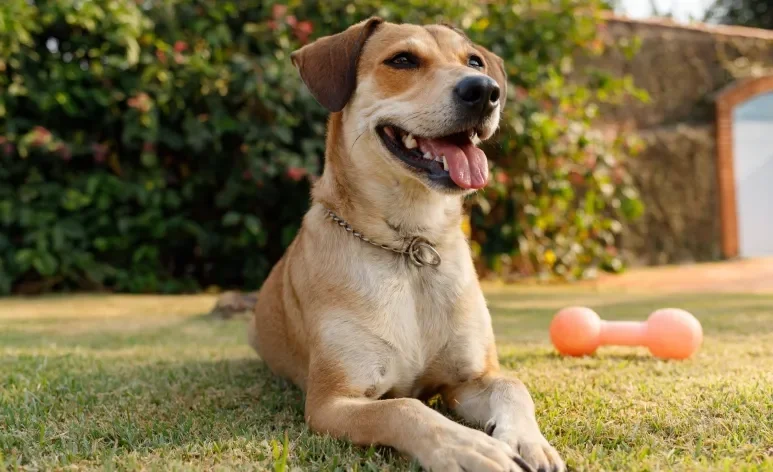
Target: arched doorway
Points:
(745, 168)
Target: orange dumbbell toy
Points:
(669, 333)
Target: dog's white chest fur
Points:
(409, 318)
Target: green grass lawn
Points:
(112, 382)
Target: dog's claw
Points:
(523, 465)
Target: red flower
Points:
(296, 173)
(304, 30)
(502, 178)
(576, 178)
(271, 25)
(180, 46)
(161, 56)
(291, 21)
(278, 11)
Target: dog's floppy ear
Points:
(495, 68)
(328, 66)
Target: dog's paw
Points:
(467, 450)
(532, 447)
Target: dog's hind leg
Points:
(270, 331)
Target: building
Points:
(707, 174)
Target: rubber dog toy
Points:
(669, 333)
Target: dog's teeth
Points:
(410, 141)
(445, 163)
(427, 155)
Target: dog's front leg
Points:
(505, 409)
(409, 426)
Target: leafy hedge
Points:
(169, 145)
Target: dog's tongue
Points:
(467, 163)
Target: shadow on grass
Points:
(59, 412)
(110, 333)
(512, 360)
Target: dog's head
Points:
(416, 100)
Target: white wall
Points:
(753, 166)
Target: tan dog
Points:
(367, 331)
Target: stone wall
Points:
(682, 68)
(676, 176)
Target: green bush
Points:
(166, 146)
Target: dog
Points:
(376, 307)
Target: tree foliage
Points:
(752, 13)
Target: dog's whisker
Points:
(357, 139)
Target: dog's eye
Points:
(404, 60)
(475, 62)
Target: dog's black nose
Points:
(478, 92)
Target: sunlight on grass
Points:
(95, 382)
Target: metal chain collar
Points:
(417, 249)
